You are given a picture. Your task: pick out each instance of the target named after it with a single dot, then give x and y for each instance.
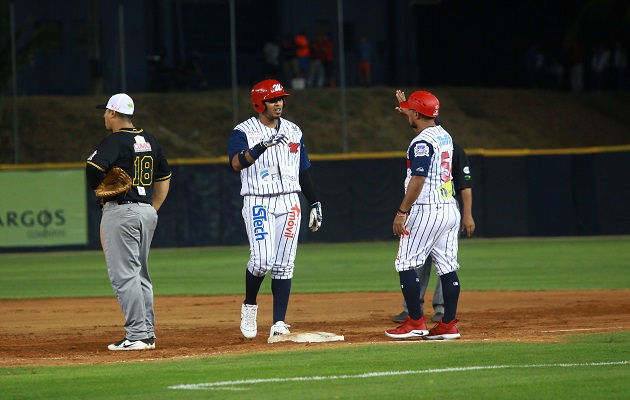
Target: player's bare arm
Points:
(160, 191)
(413, 191)
(468, 223)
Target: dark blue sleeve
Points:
(420, 154)
(305, 163)
(237, 142)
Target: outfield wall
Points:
(571, 192)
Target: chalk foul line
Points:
(228, 385)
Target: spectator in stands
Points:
(302, 52)
(364, 63)
(619, 63)
(316, 72)
(533, 61)
(600, 61)
(271, 53)
(576, 67)
(191, 76)
(329, 60)
(290, 69)
(321, 69)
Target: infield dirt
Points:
(77, 331)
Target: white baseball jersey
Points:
(434, 220)
(277, 170)
(430, 154)
(270, 186)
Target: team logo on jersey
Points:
(421, 150)
(294, 214)
(259, 218)
(293, 147)
(92, 156)
(141, 145)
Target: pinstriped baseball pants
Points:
(433, 230)
(273, 228)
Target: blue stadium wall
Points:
(514, 196)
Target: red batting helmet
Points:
(266, 90)
(424, 103)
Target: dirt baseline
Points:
(77, 331)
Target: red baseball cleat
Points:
(409, 329)
(443, 331)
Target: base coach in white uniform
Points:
(428, 219)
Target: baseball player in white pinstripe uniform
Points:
(269, 152)
(428, 219)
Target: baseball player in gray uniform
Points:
(428, 219)
(129, 220)
(269, 152)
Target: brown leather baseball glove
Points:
(115, 182)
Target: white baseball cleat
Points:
(249, 327)
(279, 328)
(126, 344)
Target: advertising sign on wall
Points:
(43, 208)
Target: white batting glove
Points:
(276, 139)
(315, 220)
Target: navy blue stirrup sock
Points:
(450, 290)
(252, 286)
(410, 286)
(281, 289)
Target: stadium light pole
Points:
(121, 38)
(342, 79)
(233, 59)
(16, 147)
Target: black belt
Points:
(121, 202)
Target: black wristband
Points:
(404, 212)
(243, 160)
(257, 150)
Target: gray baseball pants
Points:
(126, 235)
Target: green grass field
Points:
(584, 366)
